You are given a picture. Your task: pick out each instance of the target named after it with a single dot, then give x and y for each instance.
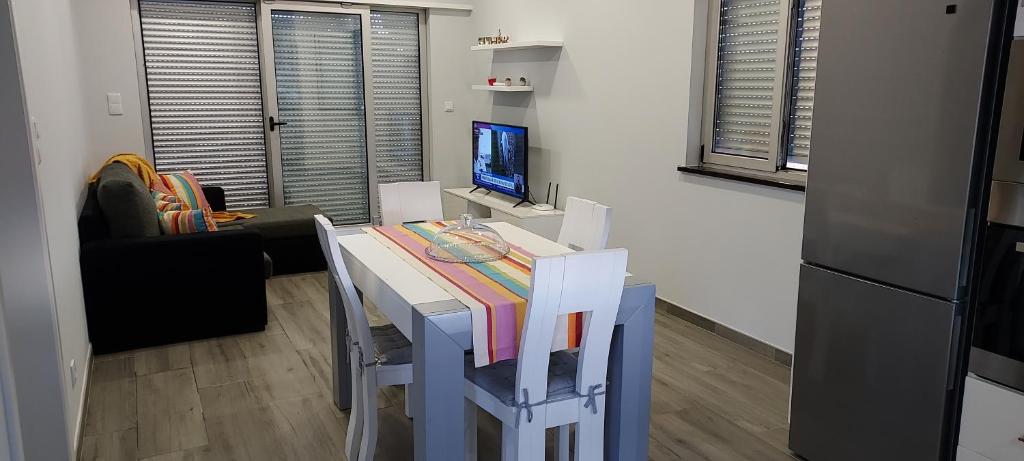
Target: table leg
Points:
(438, 392)
(340, 371)
(630, 369)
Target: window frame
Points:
(775, 163)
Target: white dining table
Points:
(441, 332)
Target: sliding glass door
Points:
(285, 103)
(316, 98)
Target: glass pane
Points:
(747, 46)
(805, 66)
(319, 69)
(205, 103)
(397, 114)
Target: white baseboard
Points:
(83, 400)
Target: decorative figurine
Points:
(492, 80)
(493, 40)
(523, 81)
(508, 81)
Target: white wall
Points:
(610, 120)
(71, 148)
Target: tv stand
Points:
(522, 202)
(500, 208)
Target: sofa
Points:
(146, 289)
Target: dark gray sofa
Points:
(145, 289)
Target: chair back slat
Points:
(403, 202)
(356, 321)
(586, 224)
(589, 282)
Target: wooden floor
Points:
(266, 396)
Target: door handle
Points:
(274, 124)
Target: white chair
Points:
(403, 202)
(379, 356)
(543, 389)
(586, 224)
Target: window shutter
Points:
(748, 42)
(205, 104)
(397, 111)
(805, 66)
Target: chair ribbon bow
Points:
(592, 394)
(525, 405)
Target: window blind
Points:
(205, 105)
(397, 111)
(748, 42)
(805, 65)
(318, 65)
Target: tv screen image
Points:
(499, 158)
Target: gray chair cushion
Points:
(272, 223)
(127, 204)
(390, 346)
(499, 379)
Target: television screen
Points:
(499, 158)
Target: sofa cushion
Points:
(274, 223)
(126, 203)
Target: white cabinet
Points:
(498, 208)
(992, 423)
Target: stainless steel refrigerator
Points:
(901, 147)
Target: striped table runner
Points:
(495, 292)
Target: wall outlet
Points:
(449, 106)
(74, 374)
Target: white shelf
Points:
(503, 88)
(533, 44)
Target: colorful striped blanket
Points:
(495, 292)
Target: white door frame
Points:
(31, 371)
(270, 107)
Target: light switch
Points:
(114, 106)
(449, 106)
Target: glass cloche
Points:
(467, 242)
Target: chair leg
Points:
(509, 443)
(368, 444)
(530, 439)
(562, 443)
(355, 418)
(590, 432)
(470, 409)
(408, 401)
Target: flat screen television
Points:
(499, 159)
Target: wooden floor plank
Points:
(112, 397)
(113, 446)
(170, 413)
(219, 361)
(164, 358)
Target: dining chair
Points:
(403, 202)
(586, 224)
(542, 389)
(379, 356)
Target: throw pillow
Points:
(165, 202)
(185, 186)
(186, 221)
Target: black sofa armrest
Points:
(150, 291)
(215, 196)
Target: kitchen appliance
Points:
(901, 149)
(998, 353)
